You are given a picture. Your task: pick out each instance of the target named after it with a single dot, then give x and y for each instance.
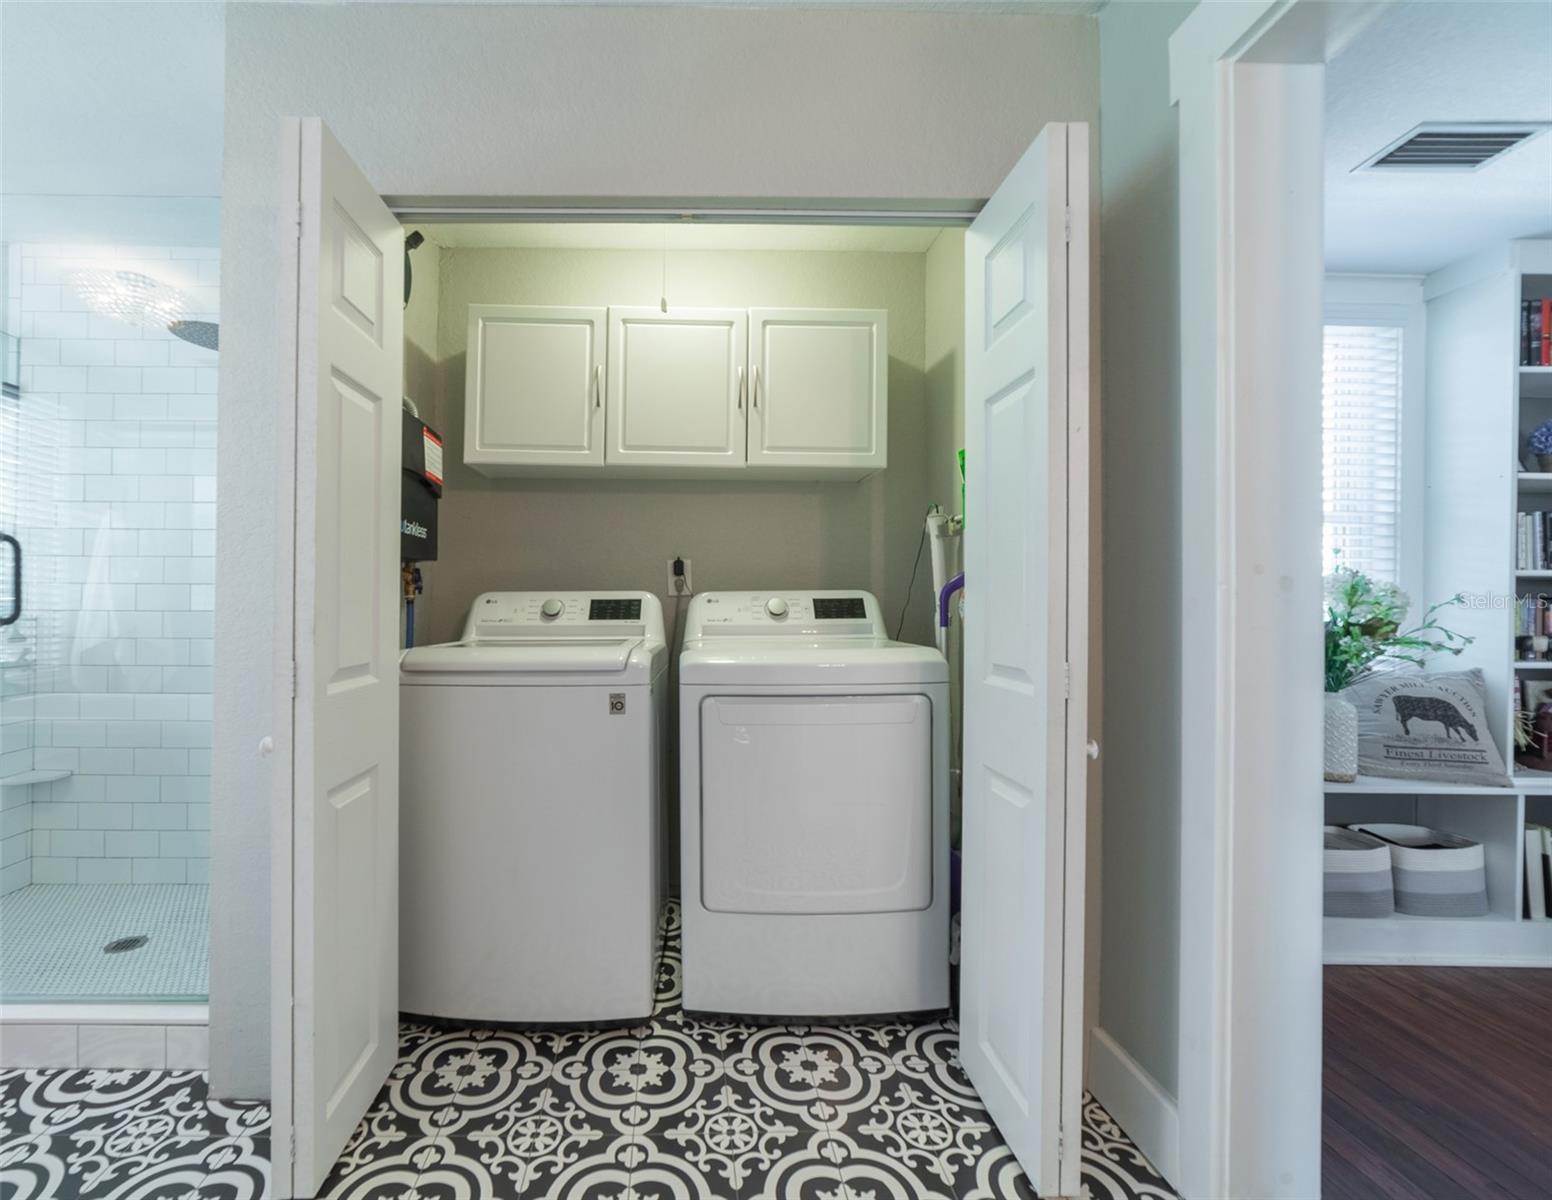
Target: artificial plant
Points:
(1364, 633)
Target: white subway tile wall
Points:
(114, 434)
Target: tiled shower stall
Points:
(108, 442)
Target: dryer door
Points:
(816, 804)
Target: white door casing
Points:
(1026, 571)
(341, 981)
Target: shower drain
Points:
(120, 945)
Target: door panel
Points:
(816, 804)
(1025, 541)
(676, 386)
(819, 390)
(343, 902)
(533, 392)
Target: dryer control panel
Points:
(778, 614)
(503, 616)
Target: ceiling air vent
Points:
(1460, 146)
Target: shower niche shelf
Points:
(23, 778)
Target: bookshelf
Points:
(1481, 406)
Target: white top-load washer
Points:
(530, 805)
(813, 807)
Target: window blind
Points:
(1361, 408)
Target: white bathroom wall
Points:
(117, 429)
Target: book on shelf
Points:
(1532, 616)
(1533, 545)
(1536, 332)
(1538, 872)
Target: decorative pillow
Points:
(1426, 725)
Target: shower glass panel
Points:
(107, 485)
(111, 119)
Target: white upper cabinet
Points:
(534, 389)
(676, 387)
(819, 392)
(774, 393)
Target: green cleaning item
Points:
(961, 488)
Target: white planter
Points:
(1341, 739)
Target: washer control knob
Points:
(551, 609)
(776, 606)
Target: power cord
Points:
(911, 587)
(681, 594)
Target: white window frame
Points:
(1396, 301)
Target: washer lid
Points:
(548, 660)
(819, 661)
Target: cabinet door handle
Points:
(598, 386)
(754, 392)
(740, 389)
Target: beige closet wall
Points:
(595, 532)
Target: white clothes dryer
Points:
(813, 806)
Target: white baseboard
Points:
(1134, 1098)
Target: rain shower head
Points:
(200, 333)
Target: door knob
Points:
(1092, 749)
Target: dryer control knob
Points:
(776, 606)
(551, 609)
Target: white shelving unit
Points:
(1481, 407)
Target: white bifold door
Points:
(336, 915)
(1026, 659)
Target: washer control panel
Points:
(495, 616)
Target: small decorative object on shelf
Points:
(1364, 637)
(1341, 739)
(1533, 737)
(1541, 445)
(1532, 723)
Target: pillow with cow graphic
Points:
(1426, 725)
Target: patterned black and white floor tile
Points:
(684, 1107)
(127, 1135)
(680, 1107)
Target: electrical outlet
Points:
(679, 585)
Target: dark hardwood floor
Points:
(1438, 1083)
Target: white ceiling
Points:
(111, 121)
(1428, 61)
(907, 239)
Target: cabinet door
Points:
(819, 392)
(534, 390)
(676, 387)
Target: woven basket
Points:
(1358, 882)
(1435, 874)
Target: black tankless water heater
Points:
(420, 487)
